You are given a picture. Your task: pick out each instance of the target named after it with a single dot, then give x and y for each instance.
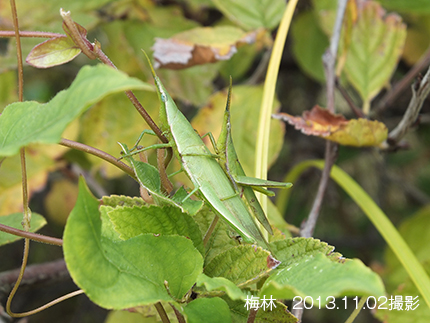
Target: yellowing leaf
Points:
(38, 166)
(322, 123)
(376, 44)
(200, 45)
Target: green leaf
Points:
(14, 221)
(169, 220)
(252, 14)
(122, 200)
(376, 45)
(210, 310)
(309, 44)
(316, 275)
(53, 52)
(130, 273)
(219, 284)
(243, 265)
(22, 123)
(108, 230)
(407, 6)
(290, 250)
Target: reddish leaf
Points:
(322, 123)
(53, 52)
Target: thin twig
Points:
(31, 34)
(32, 236)
(260, 71)
(420, 91)
(329, 57)
(99, 153)
(356, 110)
(330, 158)
(329, 62)
(401, 86)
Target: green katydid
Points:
(230, 163)
(203, 169)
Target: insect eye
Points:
(163, 97)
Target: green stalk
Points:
(262, 148)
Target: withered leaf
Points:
(322, 123)
(200, 45)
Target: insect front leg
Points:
(146, 131)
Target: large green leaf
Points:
(376, 45)
(208, 310)
(252, 14)
(168, 220)
(22, 123)
(130, 273)
(14, 221)
(316, 275)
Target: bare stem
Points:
(102, 56)
(83, 44)
(30, 235)
(210, 230)
(31, 34)
(330, 157)
(99, 153)
(329, 57)
(162, 312)
(48, 272)
(356, 110)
